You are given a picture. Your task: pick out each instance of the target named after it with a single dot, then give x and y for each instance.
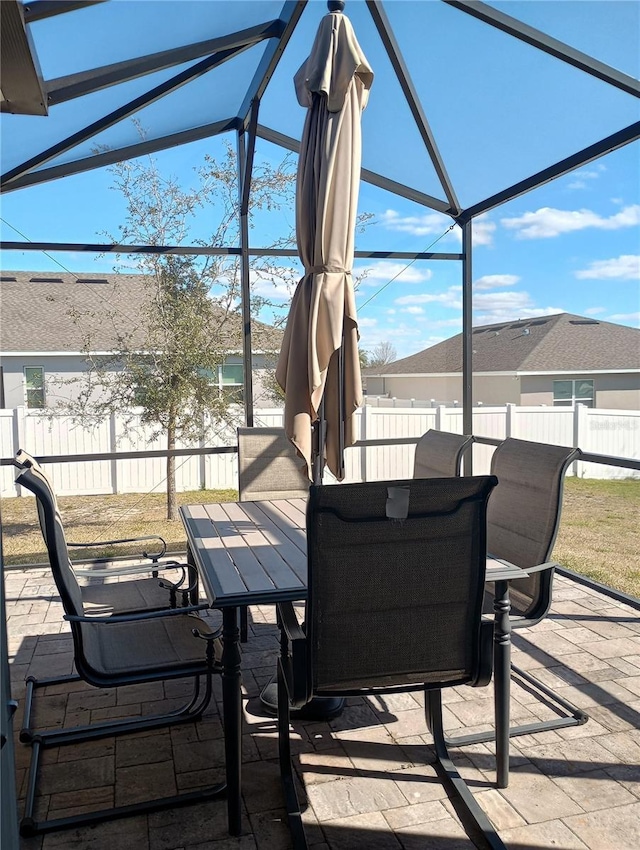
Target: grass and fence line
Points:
(608, 432)
(105, 499)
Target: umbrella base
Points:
(318, 708)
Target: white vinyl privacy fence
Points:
(606, 432)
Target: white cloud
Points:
(624, 267)
(367, 322)
(482, 231)
(594, 311)
(493, 281)
(581, 178)
(548, 222)
(418, 225)
(387, 270)
(494, 307)
(450, 298)
(625, 318)
(279, 286)
(415, 311)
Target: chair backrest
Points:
(396, 580)
(86, 638)
(439, 454)
(524, 515)
(268, 466)
(35, 479)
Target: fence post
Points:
(18, 435)
(203, 460)
(113, 441)
(508, 419)
(440, 411)
(580, 414)
(364, 430)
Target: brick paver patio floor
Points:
(368, 775)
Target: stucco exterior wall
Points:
(447, 389)
(62, 374)
(612, 392)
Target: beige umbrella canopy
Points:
(334, 85)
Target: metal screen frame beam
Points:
(289, 16)
(402, 73)
(38, 10)
(558, 49)
(101, 160)
(213, 251)
(66, 88)
(122, 112)
(467, 332)
(564, 166)
(246, 152)
(291, 144)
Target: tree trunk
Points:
(172, 506)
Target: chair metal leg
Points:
(286, 767)
(574, 717)
(192, 710)
(477, 825)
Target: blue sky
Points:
(499, 110)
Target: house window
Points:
(34, 383)
(232, 382)
(569, 393)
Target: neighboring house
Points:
(554, 360)
(47, 318)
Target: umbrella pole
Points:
(341, 407)
(319, 441)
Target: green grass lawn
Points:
(598, 534)
(599, 531)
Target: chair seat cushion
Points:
(143, 594)
(165, 644)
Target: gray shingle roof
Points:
(36, 313)
(559, 343)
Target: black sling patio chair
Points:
(522, 525)
(112, 651)
(268, 468)
(395, 592)
(123, 597)
(439, 454)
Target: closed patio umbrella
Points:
(319, 356)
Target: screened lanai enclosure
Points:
(460, 89)
(74, 75)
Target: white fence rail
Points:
(608, 432)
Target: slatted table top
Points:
(256, 552)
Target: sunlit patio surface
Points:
(368, 775)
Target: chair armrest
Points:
(293, 656)
(289, 622)
(124, 571)
(485, 654)
(155, 537)
(540, 568)
(134, 618)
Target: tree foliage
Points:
(381, 354)
(168, 351)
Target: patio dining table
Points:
(255, 553)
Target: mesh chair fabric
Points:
(395, 602)
(112, 649)
(524, 512)
(438, 454)
(268, 466)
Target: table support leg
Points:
(232, 708)
(502, 676)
